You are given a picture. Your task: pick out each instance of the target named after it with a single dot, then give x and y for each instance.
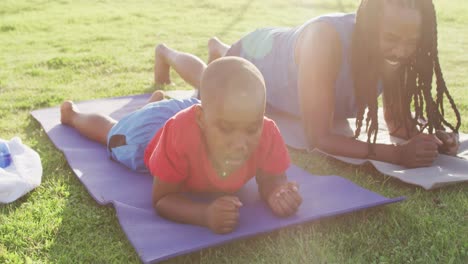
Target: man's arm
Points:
(319, 60)
(319, 55)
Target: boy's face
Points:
(232, 129)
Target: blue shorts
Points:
(127, 140)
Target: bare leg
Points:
(161, 68)
(94, 126)
(216, 49)
(188, 66)
(156, 96)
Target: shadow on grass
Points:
(7, 209)
(236, 18)
(334, 6)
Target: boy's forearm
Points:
(268, 184)
(181, 209)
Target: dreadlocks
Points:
(416, 76)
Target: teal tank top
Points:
(272, 51)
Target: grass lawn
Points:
(56, 50)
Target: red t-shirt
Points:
(177, 154)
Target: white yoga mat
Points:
(446, 170)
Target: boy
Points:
(215, 146)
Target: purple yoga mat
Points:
(155, 238)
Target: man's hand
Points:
(285, 199)
(450, 141)
(222, 215)
(419, 151)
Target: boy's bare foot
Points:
(67, 110)
(161, 68)
(156, 96)
(216, 49)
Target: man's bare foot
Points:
(161, 68)
(67, 110)
(216, 49)
(156, 96)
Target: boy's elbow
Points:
(156, 203)
(162, 205)
(159, 208)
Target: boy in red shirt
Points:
(212, 147)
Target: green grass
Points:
(56, 50)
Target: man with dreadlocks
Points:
(335, 67)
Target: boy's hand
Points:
(451, 142)
(285, 199)
(222, 215)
